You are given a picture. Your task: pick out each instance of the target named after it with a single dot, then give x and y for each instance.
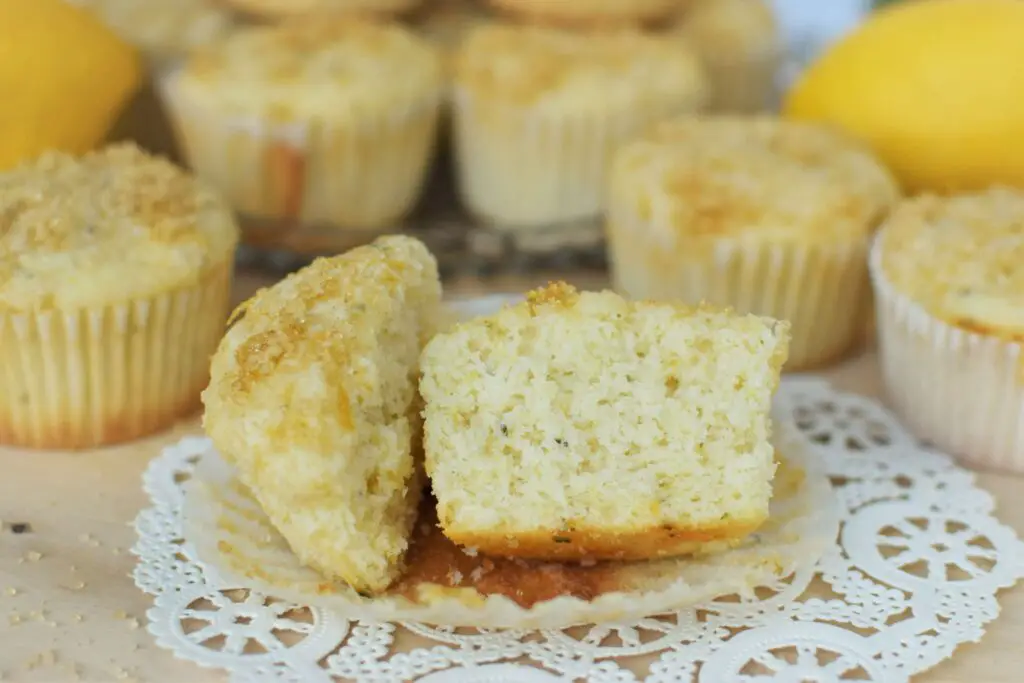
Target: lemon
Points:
(935, 87)
(64, 78)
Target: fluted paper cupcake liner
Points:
(822, 289)
(961, 391)
(518, 168)
(362, 171)
(93, 376)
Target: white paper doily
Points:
(914, 573)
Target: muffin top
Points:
(113, 225)
(751, 178)
(164, 29)
(960, 258)
(548, 67)
(314, 69)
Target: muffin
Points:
(327, 122)
(313, 398)
(578, 13)
(115, 276)
(538, 111)
(581, 425)
(740, 45)
(769, 217)
(949, 292)
(280, 9)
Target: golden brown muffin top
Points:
(961, 258)
(322, 68)
(751, 178)
(114, 225)
(533, 65)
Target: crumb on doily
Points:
(33, 556)
(11, 591)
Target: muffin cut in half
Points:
(313, 399)
(581, 425)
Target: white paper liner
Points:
(520, 168)
(959, 390)
(822, 289)
(363, 170)
(107, 374)
(233, 538)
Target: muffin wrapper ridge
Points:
(76, 379)
(521, 169)
(959, 390)
(361, 171)
(822, 289)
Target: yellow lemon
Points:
(64, 78)
(936, 87)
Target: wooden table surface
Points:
(70, 611)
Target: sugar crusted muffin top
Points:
(960, 258)
(112, 225)
(533, 65)
(314, 68)
(751, 177)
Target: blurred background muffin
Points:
(537, 111)
(115, 280)
(768, 217)
(324, 122)
(279, 9)
(949, 286)
(589, 12)
(738, 42)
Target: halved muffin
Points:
(581, 425)
(313, 399)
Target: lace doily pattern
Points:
(914, 573)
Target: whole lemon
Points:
(935, 87)
(64, 78)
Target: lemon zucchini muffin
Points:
(280, 9)
(583, 426)
(115, 275)
(312, 122)
(581, 13)
(537, 113)
(740, 45)
(769, 217)
(313, 398)
(949, 291)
